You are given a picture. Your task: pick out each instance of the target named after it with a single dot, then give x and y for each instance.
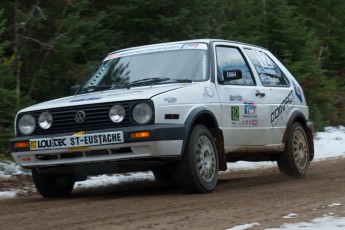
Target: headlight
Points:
(45, 120)
(142, 113)
(117, 113)
(26, 124)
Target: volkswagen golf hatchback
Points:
(182, 109)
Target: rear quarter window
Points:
(269, 73)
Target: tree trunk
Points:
(16, 54)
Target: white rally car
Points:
(181, 109)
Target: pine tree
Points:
(327, 18)
(7, 91)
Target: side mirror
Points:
(74, 89)
(232, 74)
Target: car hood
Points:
(136, 93)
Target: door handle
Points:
(258, 93)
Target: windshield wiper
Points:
(92, 88)
(186, 80)
(148, 81)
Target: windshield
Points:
(149, 66)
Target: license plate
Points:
(77, 141)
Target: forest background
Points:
(50, 45)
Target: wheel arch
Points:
(299, 117)
(202, 115)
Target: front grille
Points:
(97, 117)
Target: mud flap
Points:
(310, 131)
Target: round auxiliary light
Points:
(45, 120)
(117, 113)
(142, 113)
(26, 124)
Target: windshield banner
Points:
(152, 49)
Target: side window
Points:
(231, 58)
(270, 74)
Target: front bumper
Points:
(164, 140)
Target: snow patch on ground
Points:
(9, 168)
(104, 180)
(326, 222)
(334, 205)
(244, 226)
(8, 194)
(291, 215)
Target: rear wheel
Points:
(295, 160)
(198, 168)
(53, 185)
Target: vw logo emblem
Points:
(80, 117)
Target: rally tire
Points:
(53, 185)
(295, 160)
(198, 169)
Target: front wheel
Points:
(198, 168)
(295, 160)
(53, 185)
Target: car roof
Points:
(204, 40)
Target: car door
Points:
(279, 90)
(243, 101)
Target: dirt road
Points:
(263, 196)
